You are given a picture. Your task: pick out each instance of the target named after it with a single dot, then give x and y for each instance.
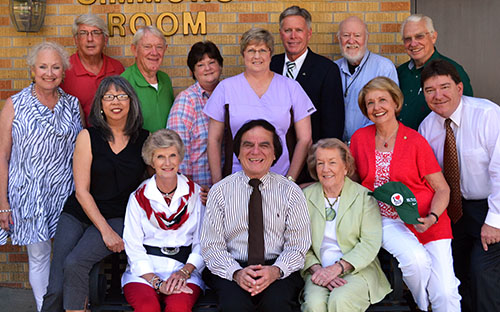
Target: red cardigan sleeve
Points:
(412, 160)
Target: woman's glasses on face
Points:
(111, 97)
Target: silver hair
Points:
(417, 18)
(162, 138)
(91, 20)
(257, 35)
(151, 29)
(296, 11)
(48, 45)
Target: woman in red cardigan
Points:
(389, 151)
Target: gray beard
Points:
(356, 59)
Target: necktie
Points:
(451, 173)
(290, 66)
(255, 225)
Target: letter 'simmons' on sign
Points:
(167, 22)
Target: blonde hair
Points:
(382, 84)
(162, 138)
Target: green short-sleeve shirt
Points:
(155, 104)
(415, 108)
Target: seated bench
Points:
(106, 293)
(394, 301)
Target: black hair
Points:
(278, 147)
(439, 67)
(198, 50)
(134, 117)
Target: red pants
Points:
(143, 298)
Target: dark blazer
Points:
(320, 79)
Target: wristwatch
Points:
(291, 178)
(156, 282)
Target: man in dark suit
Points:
(318, 76)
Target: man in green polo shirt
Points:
(153, 87)
(419, 37)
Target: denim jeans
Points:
(77, 247)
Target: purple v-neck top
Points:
(274, 106)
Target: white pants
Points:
(427, 269)
(39, 268)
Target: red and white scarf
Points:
(159, 219)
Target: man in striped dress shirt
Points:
(274, 284)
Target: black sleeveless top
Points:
(113, 177)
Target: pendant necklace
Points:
(328, 200)
(168, 195)
(386, 142)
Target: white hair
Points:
(48, 45)
(417, 18)
(148, 29)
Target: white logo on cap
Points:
(397, 199)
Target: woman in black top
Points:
(107, 167)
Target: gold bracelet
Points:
(186, 272)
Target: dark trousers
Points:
(280, 296)
(77, 247)
(477, 270)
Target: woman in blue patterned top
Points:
(107, 167)
(38, 129)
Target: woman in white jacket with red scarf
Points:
(161, 232)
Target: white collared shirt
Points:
(298, 64)
(476, 124)
(138, 231)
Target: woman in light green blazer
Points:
(341, 272)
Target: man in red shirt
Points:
(89, 65)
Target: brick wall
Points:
(14, 266)
(226, 21)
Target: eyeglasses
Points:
(111, 97)
(417, 37)
(94, 33)
(252, 52)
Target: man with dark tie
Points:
(256, 229)
(464, 133)
(318, 76)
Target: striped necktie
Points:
(290, 66)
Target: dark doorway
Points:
(469, 33)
